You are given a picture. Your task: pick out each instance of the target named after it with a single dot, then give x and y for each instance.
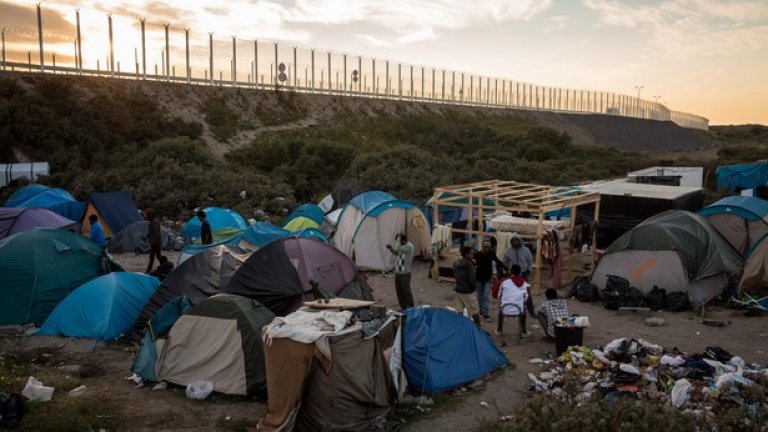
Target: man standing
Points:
(205, 229)
(97, 232)
(488, 267)
(155, 240)
(403, 250)
(464, 274)
(519, 254)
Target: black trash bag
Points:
(622, 377)
(612, 299)
(717, 353)
(576, 283)
(11, 409)
(633, 297)
(587, 292)
(678, 301)
(617, 283)
(656, 299)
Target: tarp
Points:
(115, 210)
(218, 218)
(197, 278)
(134, 238)
(702, 250)
(279, 274)
(104, 308)
(263, 233)
(744, 176)
(443, 350)
(14, 220)
(310, 211)
(218, 340)
(157, 328)
(54, 199)
(38, 268)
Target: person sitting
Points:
(551, 311)
(164, 269)
(97, 232)
(513, 295)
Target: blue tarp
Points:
(443, 350)
(749, 208)
(263, 233)
(158, 326)
(745, 176)
(310, 211)
(218, 218)
(103, 308)
(54, 199)
(116, 209)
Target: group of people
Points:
(475, 275)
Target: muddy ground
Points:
(132, 408)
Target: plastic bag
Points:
(199, 390)
(587, 292)
(34, 390)
(681, 392)
(656, 299)
(633, 297)
(730, 379)
(612, 299)
(617, 283)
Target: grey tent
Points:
(133, 238)
(675, 250)
(219, 341)
(743, 221)
(754, 280)
(197, 278)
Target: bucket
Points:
(567, 336)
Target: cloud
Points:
(555, 23)
(687, 28)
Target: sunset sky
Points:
(706, 57)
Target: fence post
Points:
(400, 81)
(256, 62)
(234, 60)
(411, 78)
(295, 68)
(79, 52)
(461, 89)
(330, 86)
(210, 57)
(276, 71)
(312, 67)
(186, 49)
(40, 37)
(143, 49)
(111, 46)
(2, 36)
(386, 77)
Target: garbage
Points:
(199, 390)
(162, 385)
(681, 392)
(73, 370)
(11, 409)
(77, 391)
(35, 391)
(484, 404)
(654, 322)
(707, 383)
(713, 323)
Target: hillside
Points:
(177, 147)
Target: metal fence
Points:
(137, 48)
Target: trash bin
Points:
(567, 336)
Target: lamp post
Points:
(637, 103)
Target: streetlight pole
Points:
(637, 104)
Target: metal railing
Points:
(136, 48)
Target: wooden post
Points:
(594, 236)
(538, 260)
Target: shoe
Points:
(524, 335)
(487, 319)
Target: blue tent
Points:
(54, 199)
(218, 218)
(157, 327)
(748, 208)
(103, 308)
(115, 210)
(310, 211)
(262, 233)
(443, 350)
(744, 176)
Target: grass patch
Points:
(68, 413)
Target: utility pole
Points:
(234, 60)
(210, 56)
(79, 63)
(40, 37)
(186, 43)
(167, 53)
(111, 46)
(143, 49)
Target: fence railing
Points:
(135, 48)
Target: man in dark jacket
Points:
(206, 237)
(155, 239)
(488, 268)
(464, 274)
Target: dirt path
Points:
(170, 410)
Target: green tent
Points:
(219, 340)
(38, 268)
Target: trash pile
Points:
(626, 368)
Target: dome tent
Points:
(743, 221)
(675, 250)
(307, 215)
(262, 233)
(225, 223)
(39, 268)
(370, 221)
(104, 308)
(114, 210)
(16, 220)
(133, 238)
(54, 199)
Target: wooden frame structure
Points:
(516, 197)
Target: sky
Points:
(706, 57)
